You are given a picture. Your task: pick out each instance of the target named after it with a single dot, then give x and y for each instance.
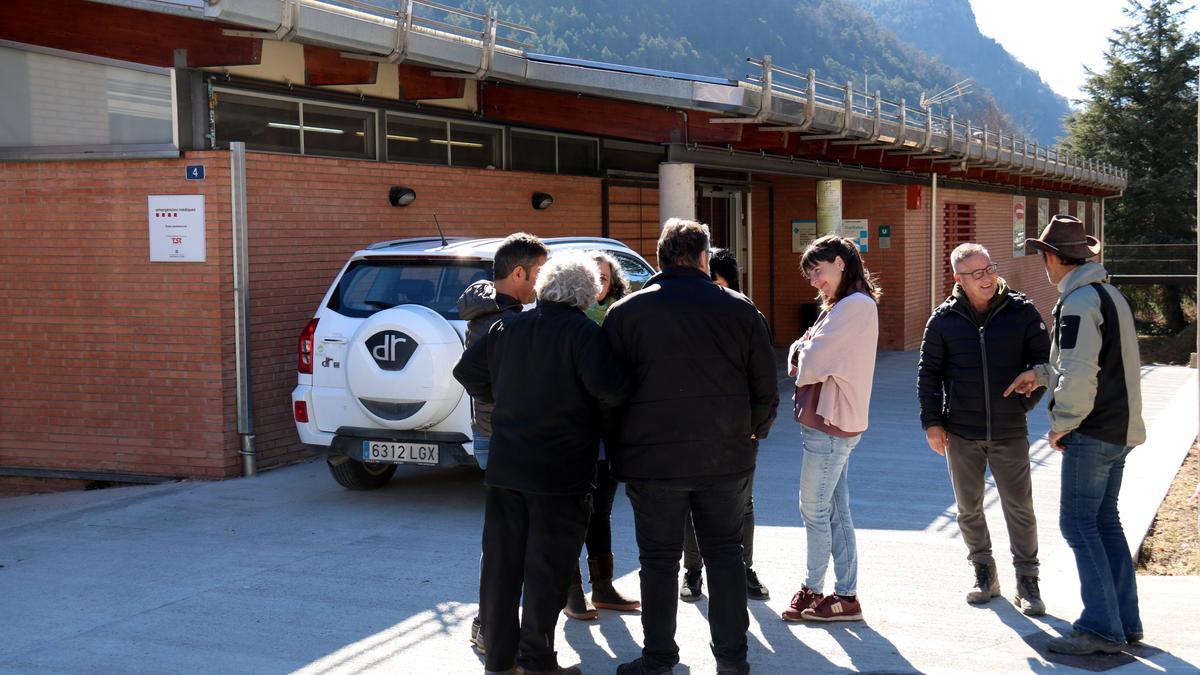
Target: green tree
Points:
(1140, 114)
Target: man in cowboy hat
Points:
(1095, 420)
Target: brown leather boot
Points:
(987, 584)
(603, 594)
(578, 605)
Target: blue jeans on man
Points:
(825, 505)
(1091, 482)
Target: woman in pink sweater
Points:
(834, 364)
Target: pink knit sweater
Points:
(839, 352)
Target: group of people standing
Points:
(669, 389)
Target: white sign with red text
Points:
(176, 228)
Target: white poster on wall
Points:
(804, 232)
(1043, 214)
(176, 227)
(829, 206)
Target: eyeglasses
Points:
(978, 274)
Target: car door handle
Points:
(335, 340)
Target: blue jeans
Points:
(825, 505)
(482, 445)
(1091, 481)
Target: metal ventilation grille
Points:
(393, 412)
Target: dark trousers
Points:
(1009, 460)
(531, 544)
(693, 562)
(659, 513)
(599, 532)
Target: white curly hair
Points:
(569, 277)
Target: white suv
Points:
(375, 389)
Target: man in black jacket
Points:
(976, 342)
(551, 375)
(705, 392)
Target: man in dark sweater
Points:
(705, 392)
(515, 270)
(975, 343)
(552, 377)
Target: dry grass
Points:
(1172, 547)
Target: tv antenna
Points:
(956, 90)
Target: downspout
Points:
(241, 307)
(933, 266)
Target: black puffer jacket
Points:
(965, 367)
(481, 306)
(554, 375)
(705, 379)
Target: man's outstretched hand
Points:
(1026, 383)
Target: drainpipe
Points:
(933, 262)
(241, 308)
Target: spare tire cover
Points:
(399, 367)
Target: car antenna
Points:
(439, 227)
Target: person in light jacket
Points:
(1095, 385)
(834, 365)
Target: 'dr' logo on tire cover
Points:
(391, 349)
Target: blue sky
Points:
(1066, 35)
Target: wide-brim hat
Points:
(1064, 236)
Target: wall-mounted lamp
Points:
(400, 195)
(542, 200)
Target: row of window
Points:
(287, 125)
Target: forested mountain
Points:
(957, 42)
(839, 38)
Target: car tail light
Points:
(305, 363)
(300, 408)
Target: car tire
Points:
(355, 475)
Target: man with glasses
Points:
(976, 342)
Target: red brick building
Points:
(122, 368)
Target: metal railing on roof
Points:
(441, 17)
(791, 101)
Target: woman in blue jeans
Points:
(834, 365)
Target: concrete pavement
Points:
(289, 572)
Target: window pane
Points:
(474, 146)
(410, 139)
(371, 285)
(261, 123)
(577, 156)
(337, 132)
(51, 100)
(635, 270)
(532, 152)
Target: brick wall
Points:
(308, 214)
(111, 362)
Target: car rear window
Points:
(375, 284)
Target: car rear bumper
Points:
(454, 448)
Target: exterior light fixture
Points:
(400, 195)
(542, 201)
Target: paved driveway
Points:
(289, 572)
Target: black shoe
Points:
(1134, 637)
(690, 590)
(754, 588)
(742, 668)
(639, 666)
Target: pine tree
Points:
(1140, 114)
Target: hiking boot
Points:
(834, 608)
(805, 598)
(578, 605)
(604, 596)
(639, 666)
(477, 635)
(1029, 598)
(689, 591)
(1080, 642)
(987, 584)
(754, 588)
